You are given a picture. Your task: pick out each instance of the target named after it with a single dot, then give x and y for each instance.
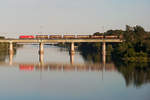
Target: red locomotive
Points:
(26, 37)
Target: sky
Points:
(71, 16)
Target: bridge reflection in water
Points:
(41, 58)
(63, 67)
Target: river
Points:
(56, 78)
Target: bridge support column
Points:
(10, 52)
(41, 48)
(10, 47)
(72, 52)
(104, 52)
(72, 48)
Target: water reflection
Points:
(137, 74)
(10, 58)
(23, 78)
(71, 58)
(96, 57)
(132, 74)
(41, 58)
(67, 67)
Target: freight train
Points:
(70, 37)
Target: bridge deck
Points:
(58, 40)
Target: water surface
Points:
(56, 79)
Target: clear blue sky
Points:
(72, 16)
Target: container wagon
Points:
(55, 37)
(97, 37)
(69, 36)
(83, 36)
(41, 36)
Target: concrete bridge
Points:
(41, 43)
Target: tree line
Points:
(136, 45)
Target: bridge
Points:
(41, 43)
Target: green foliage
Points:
(4, 49)
(136, 45)
(98, 33)
(114, 32)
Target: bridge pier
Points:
(41, 48)
(10, 53)
(72, 51)
(10, 47)
(104, 52)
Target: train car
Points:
(55, 37)
(111, 37)
(69, 36)
(83, 36)
(97, 37)
(41, 36)
(26, 37)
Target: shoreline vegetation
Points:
(4, 49)
(135, 48)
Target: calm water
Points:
(55, 79)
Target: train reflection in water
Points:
(67, 67)
(26, 67)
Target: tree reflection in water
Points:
(94, 57)
(136, 74)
